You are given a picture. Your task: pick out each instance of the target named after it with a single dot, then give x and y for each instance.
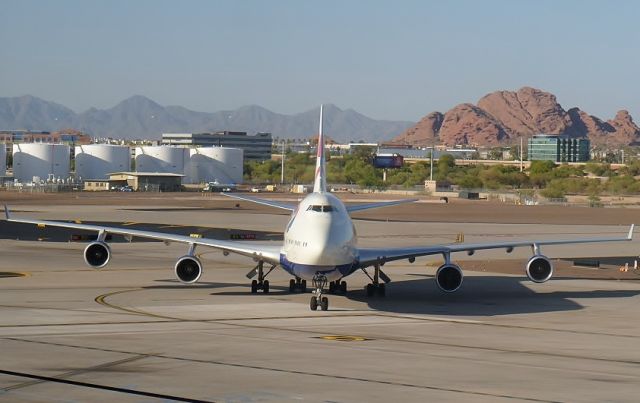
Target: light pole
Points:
(282, 164)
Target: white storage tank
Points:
(214, 164)
(40, 160)
(163, 159)
(97, 161)
(3, 159)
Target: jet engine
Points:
(188, 269)
(539, 269)
(97, 254)
(449, 277)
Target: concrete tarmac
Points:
(132, 333)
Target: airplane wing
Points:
(268, 253)
(371, 256)
(367, 206)
(271, 203)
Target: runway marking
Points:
(126, 224)
(100, 299)
(343, 338)
(9, 274)
(98, 386)
(270, 369)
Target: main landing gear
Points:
(375, 286)
(298, 284)
(319, 282)
(260, 283)
(338, 287)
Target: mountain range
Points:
(502, 117)
(498, 118)
(139, 117)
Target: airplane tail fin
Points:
(320, 184)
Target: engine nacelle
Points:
(188, 269)
(97, 254)
(449, 277)
(539, 269)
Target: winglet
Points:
(6, 212)
(630, 235)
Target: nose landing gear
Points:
(319, 283)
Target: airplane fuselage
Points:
(320, 238)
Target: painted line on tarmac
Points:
(98, 386)
(101, 299)
(343, 337)
(79, 371)
(10, 274)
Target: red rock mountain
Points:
(503, 116)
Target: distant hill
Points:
(502, 117)
(140, 117)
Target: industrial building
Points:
(256, 147)
(558, 148)
(27, 136)
(34, 162)
(146, 181)
(97, 161)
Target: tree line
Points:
(545, 177)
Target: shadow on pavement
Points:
(479, 296)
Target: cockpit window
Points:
(321, 208)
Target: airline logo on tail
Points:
(320, 184)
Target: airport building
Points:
(558, 148)
(145, 181)
(255, 147)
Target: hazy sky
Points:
(386, 59)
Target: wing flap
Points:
(371, 256)
(368, 206)
(269, 253)
(265, 202)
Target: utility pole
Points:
(521, 155)
(431, 169)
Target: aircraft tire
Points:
(265, 286)
(382, 290)
(313, 304)
(292, 285)
(370, 290)
(324, 304)
(254, 286)
(343, 287)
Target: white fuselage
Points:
(319, 238)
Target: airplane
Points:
(320, 245)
